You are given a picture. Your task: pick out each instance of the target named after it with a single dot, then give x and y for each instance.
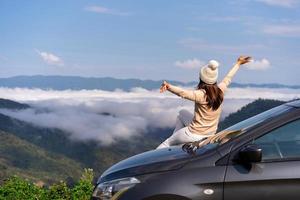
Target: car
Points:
(261, 160)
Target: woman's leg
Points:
(179, 137)
(184, 118)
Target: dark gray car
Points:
(260, 161)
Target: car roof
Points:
(295, 103)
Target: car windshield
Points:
(241, 127)
(252, 121)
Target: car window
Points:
(281, 143)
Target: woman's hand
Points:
(244, 59)
(164, 86)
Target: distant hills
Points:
(49, 155)
(106, 83)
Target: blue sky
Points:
(150, 39)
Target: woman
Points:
(208, 98)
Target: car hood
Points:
(151, 161)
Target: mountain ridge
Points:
(56, 82)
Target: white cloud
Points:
(281, 3)
(104, 10)
(190, 63)
(108, 116)
(50, 58)
(264, 93)
(262, 64)
(283, 30)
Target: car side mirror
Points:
(250, 154)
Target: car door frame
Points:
(260, 131)
(228, 149)
(255, 133)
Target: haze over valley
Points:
(106, 116)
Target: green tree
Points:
(59, 191)
(84, 188)
(16, 188)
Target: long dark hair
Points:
(214, 95)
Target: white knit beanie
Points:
(209, 73)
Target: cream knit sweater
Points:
(205, 121)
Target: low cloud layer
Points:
(107, 116)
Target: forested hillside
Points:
(49, 155)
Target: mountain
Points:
(22, 158)
(106, 83)
(77, 83)
(8, 104)
(20, 154)
(42, 153)
(49, 155)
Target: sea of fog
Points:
(105, 116)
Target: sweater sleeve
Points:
(186, 94)
(228, 78)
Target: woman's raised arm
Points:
(228, 78)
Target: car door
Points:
(277, 176)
